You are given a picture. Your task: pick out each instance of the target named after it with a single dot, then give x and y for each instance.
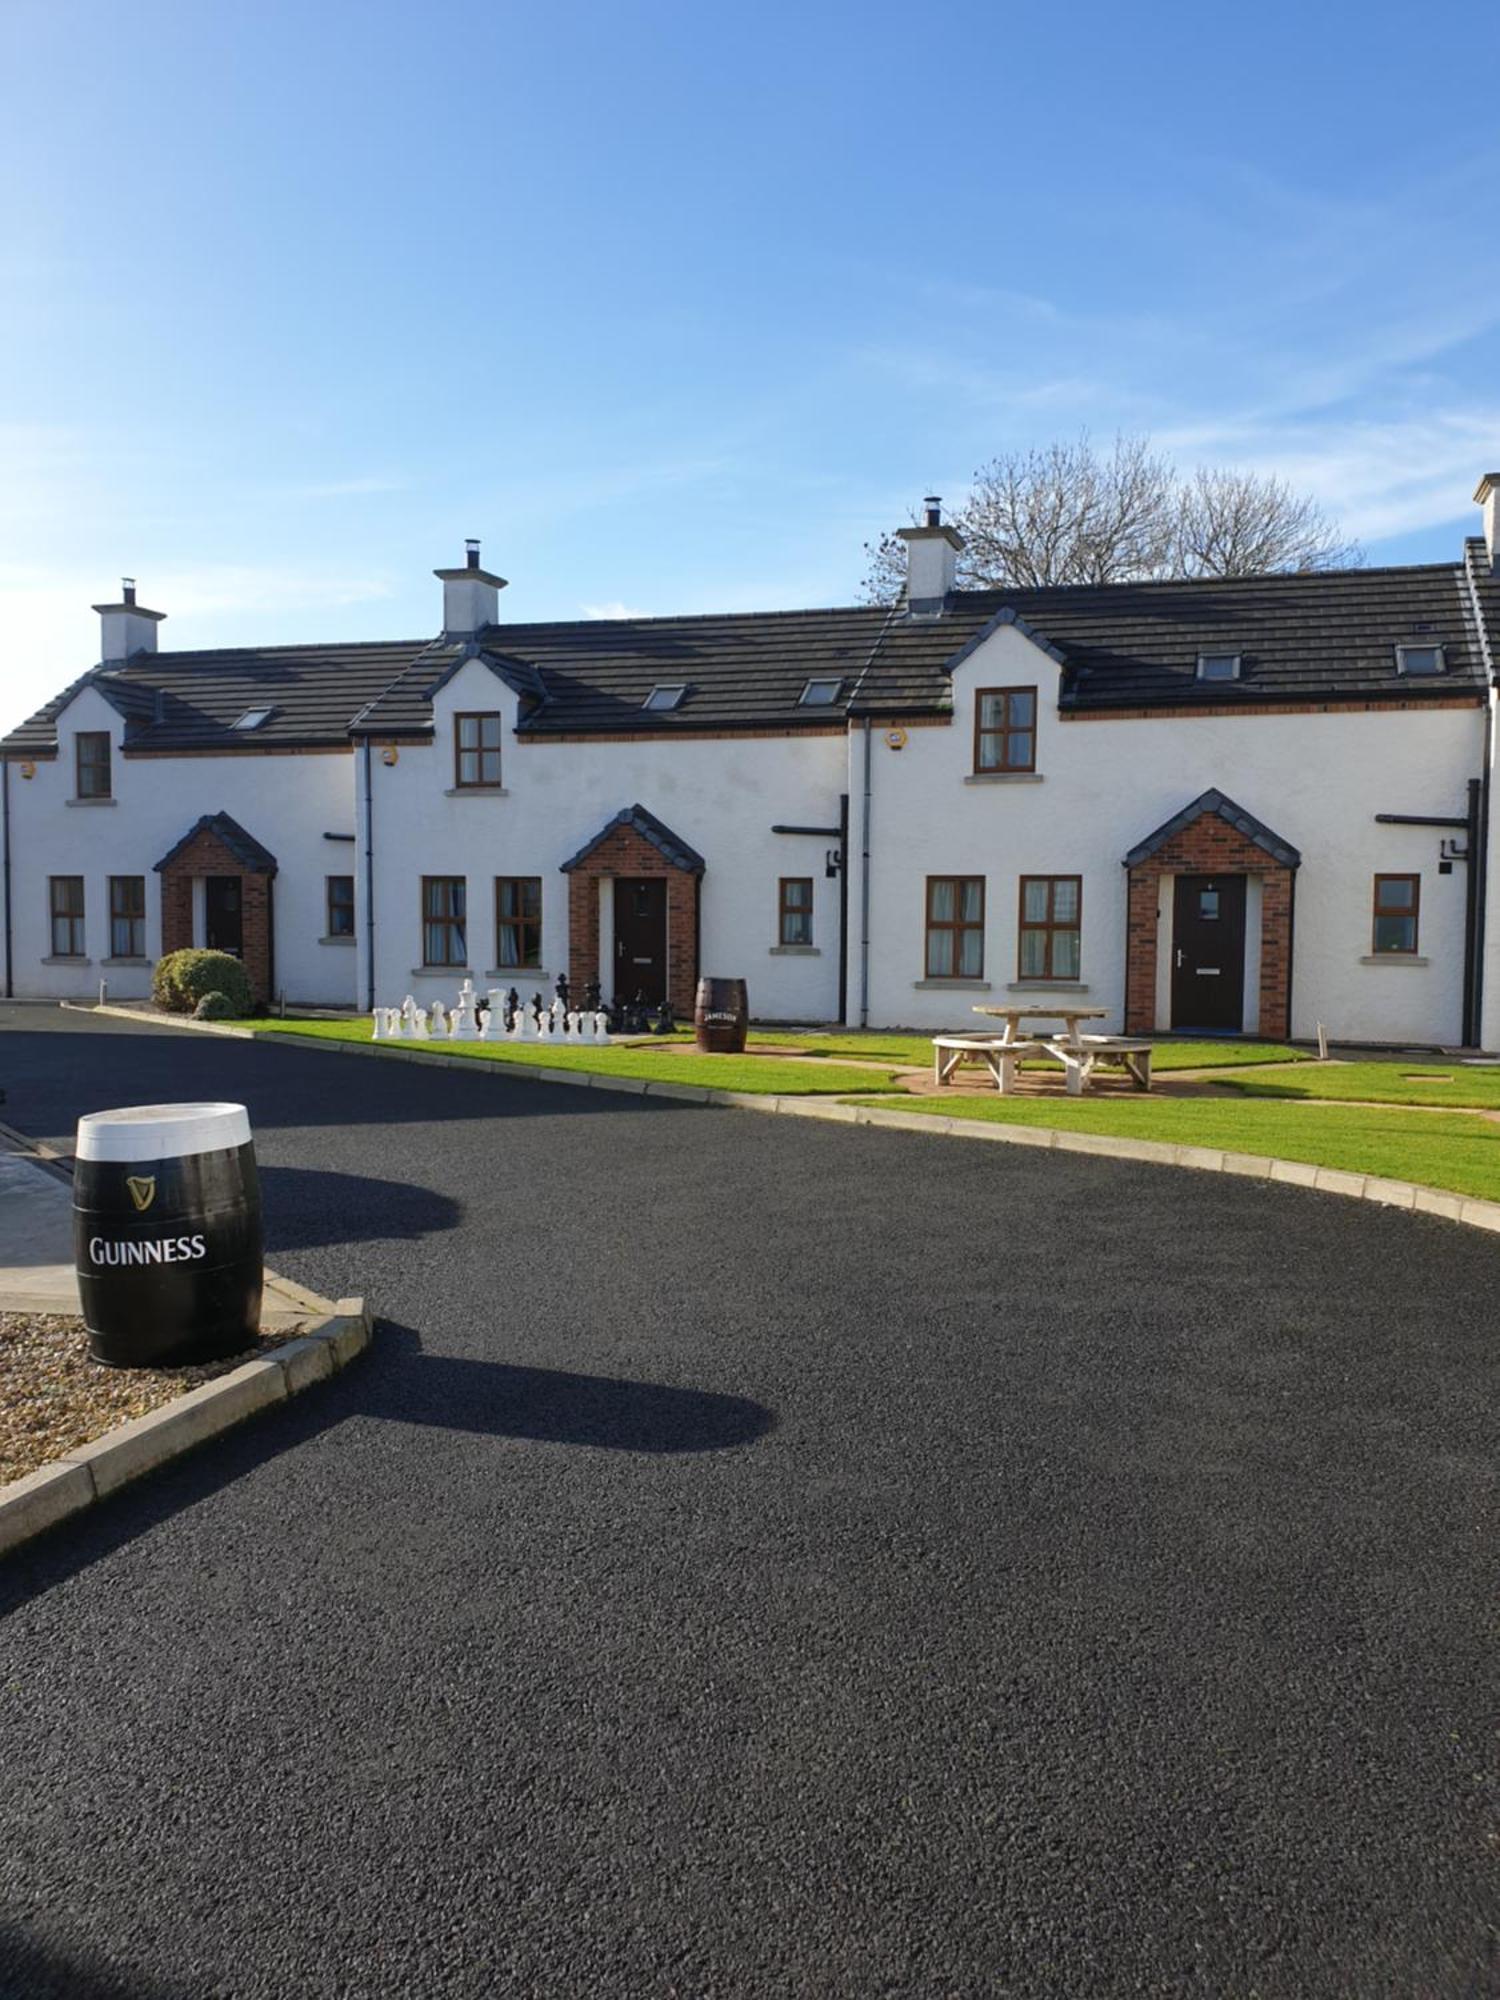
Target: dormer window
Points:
(1417, 660)
(253, 718)
(1218, 666)
(662, 698)
(476, 750)
(821, 693)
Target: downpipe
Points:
(864, 885)
(369, 880)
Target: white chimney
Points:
(1487, 493)
(471, 596)
(126, 628)
(931, 557)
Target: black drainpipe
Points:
(843, 907)
(10, 979)
(369, 882)
(1291, 949)
(864, 889)
(1473, 921)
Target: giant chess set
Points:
(502, 1016)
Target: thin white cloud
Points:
(615, 608)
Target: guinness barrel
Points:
(167, 1234)
(721, 1016)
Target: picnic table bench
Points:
(1078, 1053)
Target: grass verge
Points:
(768, 1076)
(1460, 1153)
(1447, 1085)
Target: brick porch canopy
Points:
(636, 843)
(1212, 836)
(219, 845)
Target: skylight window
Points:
(662, 698)
(1218, 666)
(253, 718)
(1419, 660)
(821, 693)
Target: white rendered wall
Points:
(722, 796)
(287, 803)
(1317, 780)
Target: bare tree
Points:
(1241, 524)
(1067, 514)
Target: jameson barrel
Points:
(167, 1233)
(721, 1016)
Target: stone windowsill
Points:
(796, 951)
(336, 940)
(477, 792)
(1393, 958)
(520, 975)
(66, 958)
(951, 985)
(442, 972)
(91, 802)
(1042, 987)
(124, 961)
(1004, 778)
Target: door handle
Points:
(1179, 958)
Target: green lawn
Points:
(1445, 1084)
(877, 1045)
(1460, 1153)
(772, 1076)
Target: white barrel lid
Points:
(162, 1131)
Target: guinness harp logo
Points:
(142, 1190)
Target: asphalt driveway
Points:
(766, 1558)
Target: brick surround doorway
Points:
(237, 874)
(637, 848)
(1211, 839)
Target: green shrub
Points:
(183, 978)
(215, 1007)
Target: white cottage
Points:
(1238, 807)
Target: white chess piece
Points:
(601, 1027)
(546, 1027)
(419, 1024)
(377, 1033)
(493, 1026)
(409, 1016)
(464, 1026)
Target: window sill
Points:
(336, 940)
(1047, 986)
(477, 792)
(951, 985)
(119, 961)
(1004, 778)
(1393, 958)
(66, 958)
(442, 972)
(796, 951)
(520, 975)
(91, 802)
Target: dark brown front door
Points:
(223, 914)
(641, 939)
(1208, 952)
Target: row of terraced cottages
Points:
(1235, 807)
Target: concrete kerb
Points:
(85, 1475)
(1467, 1210)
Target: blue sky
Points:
(677, 306)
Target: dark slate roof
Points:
(1325, 636)
(742, 670)
(191, 701)
(245, 848)
(650, 828)
(1322, 637)
(1253, 829)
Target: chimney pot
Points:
(471, 552)
(127, 584)
(934, 505)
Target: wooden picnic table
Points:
(1078, 1053)
(1069, 1015)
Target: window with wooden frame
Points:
(955, 927)
(127, 916)
(1397, 898)
(92, 749)
(65, 903)
(340, 913)
(1051, 927)
(445, 937)
(1004, 730)
(518, 921)
(794, 910)
(476, 750)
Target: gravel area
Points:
(53, 1397)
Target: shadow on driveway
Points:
(396, 1382)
